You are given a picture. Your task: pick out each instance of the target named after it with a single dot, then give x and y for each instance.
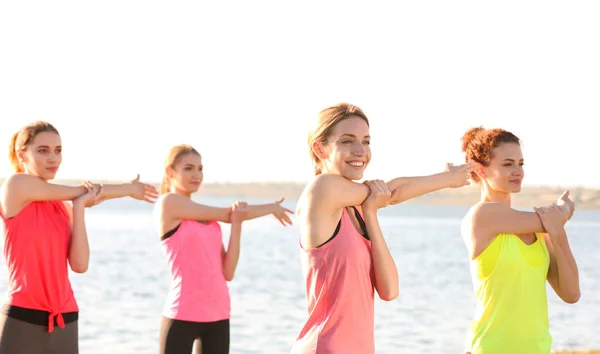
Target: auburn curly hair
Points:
(478, 143)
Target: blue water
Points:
(122, 294)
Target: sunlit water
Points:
(122, 294)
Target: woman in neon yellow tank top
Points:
(513, 252)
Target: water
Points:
(121, 296)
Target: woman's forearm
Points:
(568, 274)
(232, 255)
(79, 249)
(406, 188)
(386, 273)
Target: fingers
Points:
(99, 197)
(239, 206)
(88, 185)
(286, 219)
(150, 192)
(100, 191)
(383, 188)
(136, 179)
(378, 186)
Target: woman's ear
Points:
(479, 170)
(169, 172)
(20, 156)
(319, 150)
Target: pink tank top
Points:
(36, 249)
(340, 292)
(199, 292)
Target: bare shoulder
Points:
(12, 193)
(170, 200)
(17, 180)
(482, 212)
(167, 198)
(476, 222)
(321, 184)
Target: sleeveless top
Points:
(340, 292)
(36, 249)
(199, 291)
(509, 279)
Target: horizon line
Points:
(298, 182)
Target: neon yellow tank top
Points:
(509, 279)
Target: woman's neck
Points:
(489, 195)
(185, 194)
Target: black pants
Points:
(20, 337)
(178, 337)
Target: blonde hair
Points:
(21, 139)
(176, 153)
(328, 118)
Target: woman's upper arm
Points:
(180, 207)
(333, 192)
(20, 189)
(27, 188)
(496, 218)
(69, 209)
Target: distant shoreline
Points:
(585, 198)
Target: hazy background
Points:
(123, 81)
(242, 81)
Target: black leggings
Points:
(178, 337)
(20, 337)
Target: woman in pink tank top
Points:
(43, 235)
(197, 308)
(344, 255)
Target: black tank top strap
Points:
(362, 223)
(170, 233)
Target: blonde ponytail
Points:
(13, 158)
(165, 185)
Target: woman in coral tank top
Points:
(43, 235)
(513, 253)
(197, 309)
(344, 255)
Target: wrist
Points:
(557, 232)
(272, 207)
(446, 179)
(369, 211)
(129, 189)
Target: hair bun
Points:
(470, 136)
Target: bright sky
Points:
(241, 81)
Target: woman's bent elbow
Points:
(80, 268)
(573, 298)
(389, 295)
